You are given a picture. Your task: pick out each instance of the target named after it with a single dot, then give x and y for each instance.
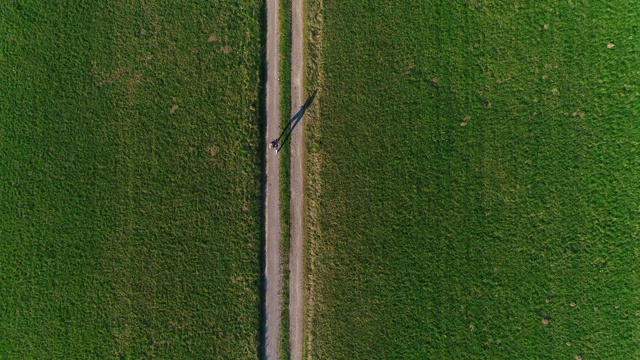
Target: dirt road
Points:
(273, 229)
(296, 295)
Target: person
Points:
(274, 144)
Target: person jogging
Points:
(274, 144)
(286, 132)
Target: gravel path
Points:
(296, 277)
(273, 229)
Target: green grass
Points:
(285, 164)
(479, 173)
(312, 167)
(130, 180)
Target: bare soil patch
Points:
(213, 150)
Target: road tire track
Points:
(296, 255)
(273, 227)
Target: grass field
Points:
(479, 181)
(130, 179)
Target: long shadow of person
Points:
(293, 123)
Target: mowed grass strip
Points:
(480, 166)
(130, 180)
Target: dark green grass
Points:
(285, 164)
(480, 173)
(129, 230)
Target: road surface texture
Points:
(273, 229)
(296, 295)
